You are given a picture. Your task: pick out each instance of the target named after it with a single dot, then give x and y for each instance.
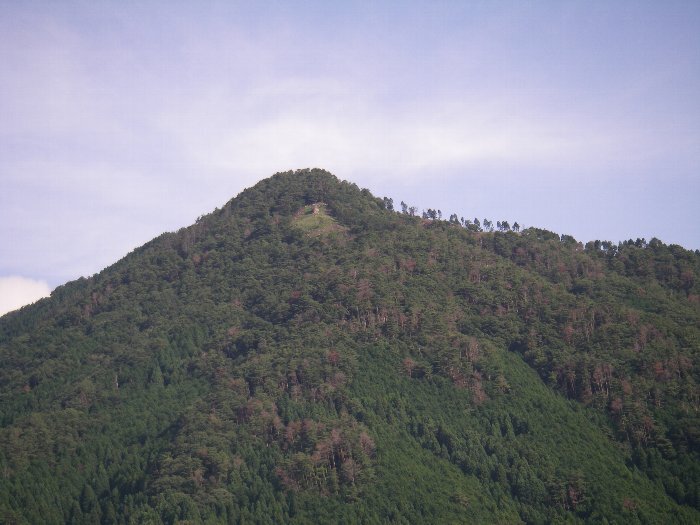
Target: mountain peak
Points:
(284, 193)
(306, 355)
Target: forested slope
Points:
(305, 354)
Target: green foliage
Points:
(306, 355)
(314, 220)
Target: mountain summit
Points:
(305, 354)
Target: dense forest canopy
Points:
(307, 354)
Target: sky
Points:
(122, 120)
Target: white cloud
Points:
(16, 292)
(352, 134)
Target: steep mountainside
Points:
(305, 354)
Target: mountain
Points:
(305, 354)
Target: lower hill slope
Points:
(305, 355)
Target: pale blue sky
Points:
(121, 120)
